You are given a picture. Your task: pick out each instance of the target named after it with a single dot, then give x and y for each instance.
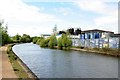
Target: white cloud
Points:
(21, 16)
(109, 14)
(64, 11)
(106, 20)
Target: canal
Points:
(53, 63)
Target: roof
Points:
(115, 35)
(96, 30)
(46, 35)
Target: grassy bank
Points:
(105, 51)
(20, 69)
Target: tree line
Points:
(6, 39)
(63, 42)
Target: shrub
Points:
(59, 44)
(64, 41)
(53, 41)
(44, 42)
(38, 41)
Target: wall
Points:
(99, 43)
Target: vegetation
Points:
(19, 71)
(39, 40)
(59, 44)
(52, 41)
(34, 39)
(44, 42)
(115, 52)
(16, 38)
(64, 42)
(25, 38)
(4, 37)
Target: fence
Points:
(98, 43)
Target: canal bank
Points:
(115, 53)
(102, 51)
(19, 67)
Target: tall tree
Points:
(4, 37)
(53, 41)
(55, 29)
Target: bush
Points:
(64, 41)
(34, 40)
(53, 41)
(59, 44)
(44, 42)
(38, 41)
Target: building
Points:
(45, 35)
(95, 34)
(115, 41)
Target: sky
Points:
(36, 17)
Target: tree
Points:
(34, 39)
(59, 44)
(44, 42)
(4, 37)
(64, 41)
(55, 29)
(39, 39)
(53, 41)
(25, 38)
(17, 38)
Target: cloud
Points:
(96, 6)
(48, 0)
(64, 11)
(106, 20)
(108, 15)
(21, 16)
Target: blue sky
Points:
(36, 17)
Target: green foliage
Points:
(53, 41)
(64, 42)
(17, 38)
(39, 40)
(44, 42)
(19, 71)
(59, 44)
(34, 40)
(4, 37)
(25, 38)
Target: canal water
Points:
(52, 63)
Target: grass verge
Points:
(105, 51)
(17, 68)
